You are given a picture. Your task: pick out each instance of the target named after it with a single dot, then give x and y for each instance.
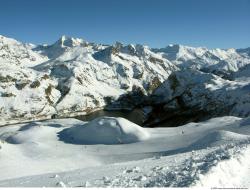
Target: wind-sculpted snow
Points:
(192, 170)
(214, 153)
(105, 130)
(74, 77)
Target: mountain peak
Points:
(7, 40)
(66, 41)
(173, 45)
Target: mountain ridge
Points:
(73, 76)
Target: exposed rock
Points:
(6, 94)
(198, 96)
(35, 84)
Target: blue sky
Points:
(211, 23)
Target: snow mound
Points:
(29, 134)
(219, 137)
(105, 130)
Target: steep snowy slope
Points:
(26, 94)
(197, 95)
(243, 73)
(17, 53)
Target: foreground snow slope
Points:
(37, 154)
(73, 76)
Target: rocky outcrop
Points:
(195, 95)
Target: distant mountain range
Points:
(73, 77)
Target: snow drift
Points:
(216, 138)
(29, 134)
(105, 130)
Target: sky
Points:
(157, 23)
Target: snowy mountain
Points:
(197, 95)
(216, 59)
(13, 52)
(75, 77)
(176, 84)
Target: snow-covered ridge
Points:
(199, 95)
(73, 76)
(17, 53)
